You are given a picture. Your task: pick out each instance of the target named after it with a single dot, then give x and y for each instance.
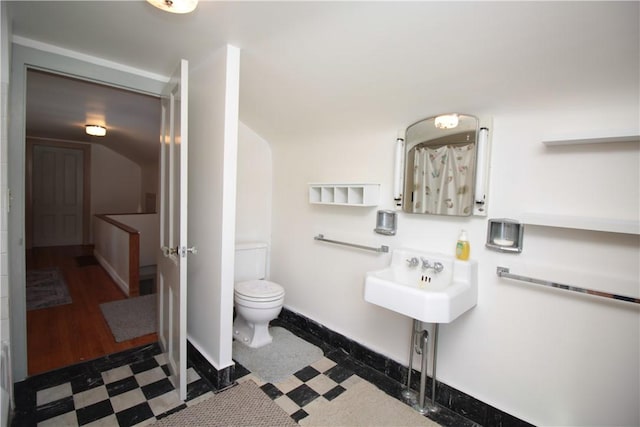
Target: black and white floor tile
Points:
(310, 387)
(133, 389)
(106, 393)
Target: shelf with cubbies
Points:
(344, 194)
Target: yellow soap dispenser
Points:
(462, 247)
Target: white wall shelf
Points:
(597, 140)
(582, 223)
(345, 194)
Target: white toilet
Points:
(257, 301)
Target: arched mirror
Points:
(440, 159)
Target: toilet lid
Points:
(259, 289)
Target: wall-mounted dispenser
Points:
(386, 223)
(505, 235)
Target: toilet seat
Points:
(258, 291)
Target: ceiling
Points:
(59, 107)
(332, 69)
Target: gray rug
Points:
(132, 317)
(243, 405)
(46, 288)
(274, 362)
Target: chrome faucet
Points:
(413, 262)
(436, 266)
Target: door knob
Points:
(184, 251)
(166, 251)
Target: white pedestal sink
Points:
(428, 287)
(424, 294)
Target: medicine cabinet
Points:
(444, 166)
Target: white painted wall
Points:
(115, 182)
(5, 366)
(213, 145)
(254, 187)
(148, 226)
(149, 176)
(546, 356)
(112, 251)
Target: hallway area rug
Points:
(242, 405)
(284, 356)
(46, 288)
(364, 405)
(132, 317)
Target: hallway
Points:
(67, 334)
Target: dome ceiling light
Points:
(95, 130)
(175, 6)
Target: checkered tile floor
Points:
(309, 389)
(134, 390)
(134, 394)
(139, 393)
(127, 389)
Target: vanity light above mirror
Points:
(442, 165)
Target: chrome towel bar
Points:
(382, 248)
(504, 272)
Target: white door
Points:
(57, 196)
(172, 261)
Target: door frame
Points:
(28, 53)
(86, 185)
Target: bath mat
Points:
(46, 288)
(243, 405)
(132, 317)
(283, 357)
(364, 405)
(86, 260)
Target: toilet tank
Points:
(251, 261)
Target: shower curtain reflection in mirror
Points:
(440, 166)
(443, 178)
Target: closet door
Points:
(57, 191)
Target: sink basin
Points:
(424, 294)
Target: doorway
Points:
(60, 199)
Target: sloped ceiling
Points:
(331, 68)
(58, 107)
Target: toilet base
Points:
(249, 334)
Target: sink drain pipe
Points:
(423, 406)
(414, 345)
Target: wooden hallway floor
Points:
(67, 334)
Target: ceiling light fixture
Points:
(175, 6)
(95, 130)
(447, 121)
